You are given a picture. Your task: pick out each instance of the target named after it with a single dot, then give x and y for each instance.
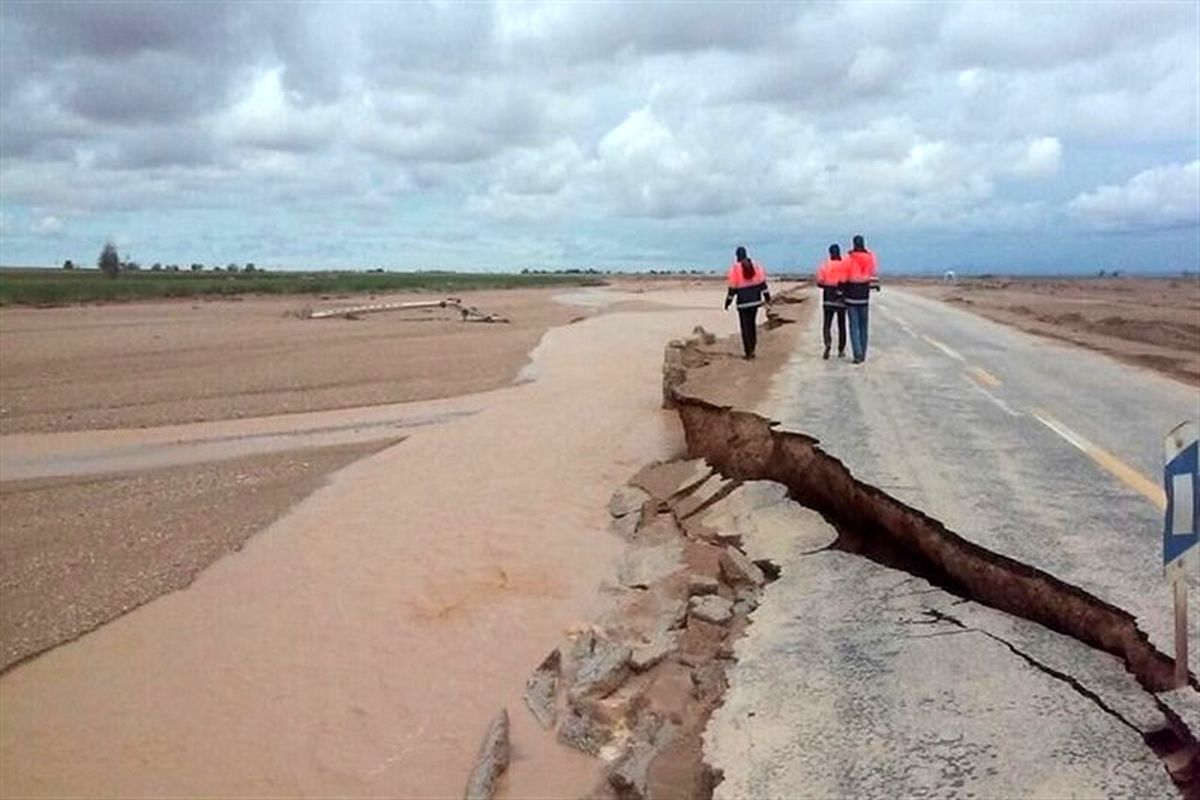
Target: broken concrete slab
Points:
(640, 616)
(740, 570)
(665, 480)
(493, 758)
(844, 687)
(541, 689)
(582, 732)
(711, 608)
(601, 666)
(639, 567)
(767, 523)
(627, 500)
(648, 655)
(707, 492)
(702, 585)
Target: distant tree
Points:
(249, 267)
(68, 264)
(109, 261)
(197, 267)
(173, 268)
(1102, 273)
(156, 268)
(231, 267)
(131, 266)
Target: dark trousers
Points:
(749, 333)
(840, 312)
(859, 319)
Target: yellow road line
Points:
(1107, 461)
(983, 376)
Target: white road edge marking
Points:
(1108, 462)
(948, 351)
(1065, 432)
(1003, 405)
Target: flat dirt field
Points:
(146, 364)
(1151, 322)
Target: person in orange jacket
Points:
(747, 285)
(830, 276)
(862, 277)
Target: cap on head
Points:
(741, 253)
(835, 251)
(858, 242)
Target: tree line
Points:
(110, 264)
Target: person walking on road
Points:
(830, 276)
(862, 276)
(747, 285)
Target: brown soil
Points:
(146, 364)
(1150, 322)
(75, 553)
(359, 644)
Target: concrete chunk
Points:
(541, 689)
(642, 566)
(492, 760)
(602, 667)
(738, 569)
(711, 608)
(665, 480)
(702, 584)
(646, 656)
(627, 500)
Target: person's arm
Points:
(732, 293)
(766, 293)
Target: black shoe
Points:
(841, 353)
(826, 356)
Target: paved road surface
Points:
(1047, 453)
(859, 680)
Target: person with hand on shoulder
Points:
(862, 276)
(830, 276)
(748, 286)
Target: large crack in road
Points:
(745, 446)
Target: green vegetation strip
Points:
(43, 287)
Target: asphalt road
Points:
(858, 680)
(1047, 453)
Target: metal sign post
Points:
(1181, 528)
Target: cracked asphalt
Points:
(859, 680)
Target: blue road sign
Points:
(1181, 525)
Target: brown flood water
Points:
(359, 645)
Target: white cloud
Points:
(1042, 158)
(1162, 197)
(47, 225)
(916, 115)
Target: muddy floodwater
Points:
(359, 645)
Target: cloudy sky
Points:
(987, 136)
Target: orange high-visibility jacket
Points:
(861, 277)
(749, 292)
(738, 279)
(832, 273)
(862, 266)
